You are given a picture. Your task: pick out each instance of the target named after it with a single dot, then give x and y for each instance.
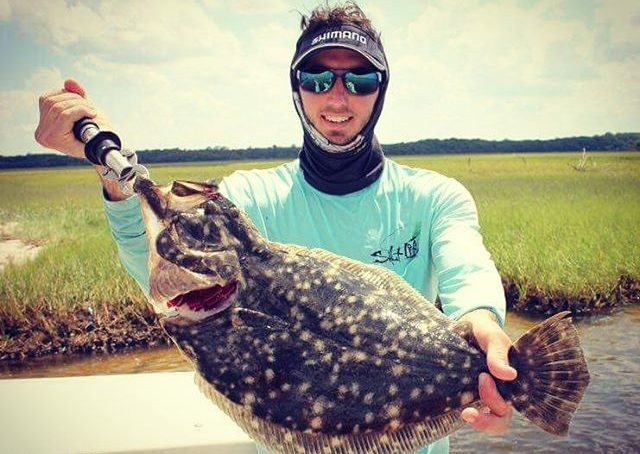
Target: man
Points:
(342, 194)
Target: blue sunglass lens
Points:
(316, 82)
(361, 84)
(320, 82)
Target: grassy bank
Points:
(554, 232)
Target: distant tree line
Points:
(605, 142)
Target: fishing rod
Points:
(105, 148)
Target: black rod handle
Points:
(102, 147)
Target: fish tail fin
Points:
(552, 374)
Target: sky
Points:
(208, 73)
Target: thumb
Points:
(498, 359)
(73, 86)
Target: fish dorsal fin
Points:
(377, 276)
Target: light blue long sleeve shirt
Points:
(418, 223)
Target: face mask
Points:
(329, 167)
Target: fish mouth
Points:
(204, 302)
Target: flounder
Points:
(311, 352)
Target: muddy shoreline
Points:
(97, 329)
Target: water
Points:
(608, 420)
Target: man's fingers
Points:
(73, 86)
(498, 357)
(48, 95)
(490, 396)
(52, 104)
(74, 113)
(487, 422)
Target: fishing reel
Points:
(105, 148)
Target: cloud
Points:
(19, 110)
(5, 10)
(124, 31)
(500, 69)
(250, 6)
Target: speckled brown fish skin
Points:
(319, 344)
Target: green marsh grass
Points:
(546, 224)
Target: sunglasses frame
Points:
(338, 74)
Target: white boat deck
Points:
(140, 413)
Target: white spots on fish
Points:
(392, 410)
(466, 380)
(273, 395)
(429, 389)
(290, 295)
(249, 380)
(415, 393)
(269, 374)
(393, 389)
(369, 417)
(439, 377)
(304, 387)
(368, 398)
(467, 363)
(305, 335)
(194, 331)
(342, 389)
(355, 389)
(327, 357)
(360, 356)
(466, 398)
(304, 299)
(377, 362)
(402, 334)
(326, 324)
(360, 316)
(333, 379)
(285, 387)
(352, 299)
(394, 424)
(353, 329)
(357, 341)
(336, 368)
(248, 399)
(397, 370)
(317, 282)
(356, 429)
